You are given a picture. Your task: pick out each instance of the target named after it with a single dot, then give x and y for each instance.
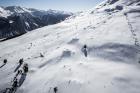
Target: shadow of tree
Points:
(115, 52)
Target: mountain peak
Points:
(17, 9)
(19, 20)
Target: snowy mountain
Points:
(15, 20)
(54, 53)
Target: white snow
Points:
(11, 21)
(4, 13)
(35, 24)
(111, 66)
(27, 24)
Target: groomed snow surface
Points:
(112, 65)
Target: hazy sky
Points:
(66, 5)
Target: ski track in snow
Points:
(133, 32)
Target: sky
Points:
(64, 5)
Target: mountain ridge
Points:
(19, 20)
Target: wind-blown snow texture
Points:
(112, 34)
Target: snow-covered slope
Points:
(15, 20)
(112, 65)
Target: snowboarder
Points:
(25, 68)
(85, 50)
(55, 89)
(21, 61)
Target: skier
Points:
(25, 68)
(85, 50)
(55, 89)
(21, 61)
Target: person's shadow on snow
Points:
(2, 65)
(22, 79)
(17, 67)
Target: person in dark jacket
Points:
(15, 84)
(25, 68)
(85, 50)
(55, 89)
(5, 61)
(21, 61)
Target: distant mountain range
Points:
(16, 20)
